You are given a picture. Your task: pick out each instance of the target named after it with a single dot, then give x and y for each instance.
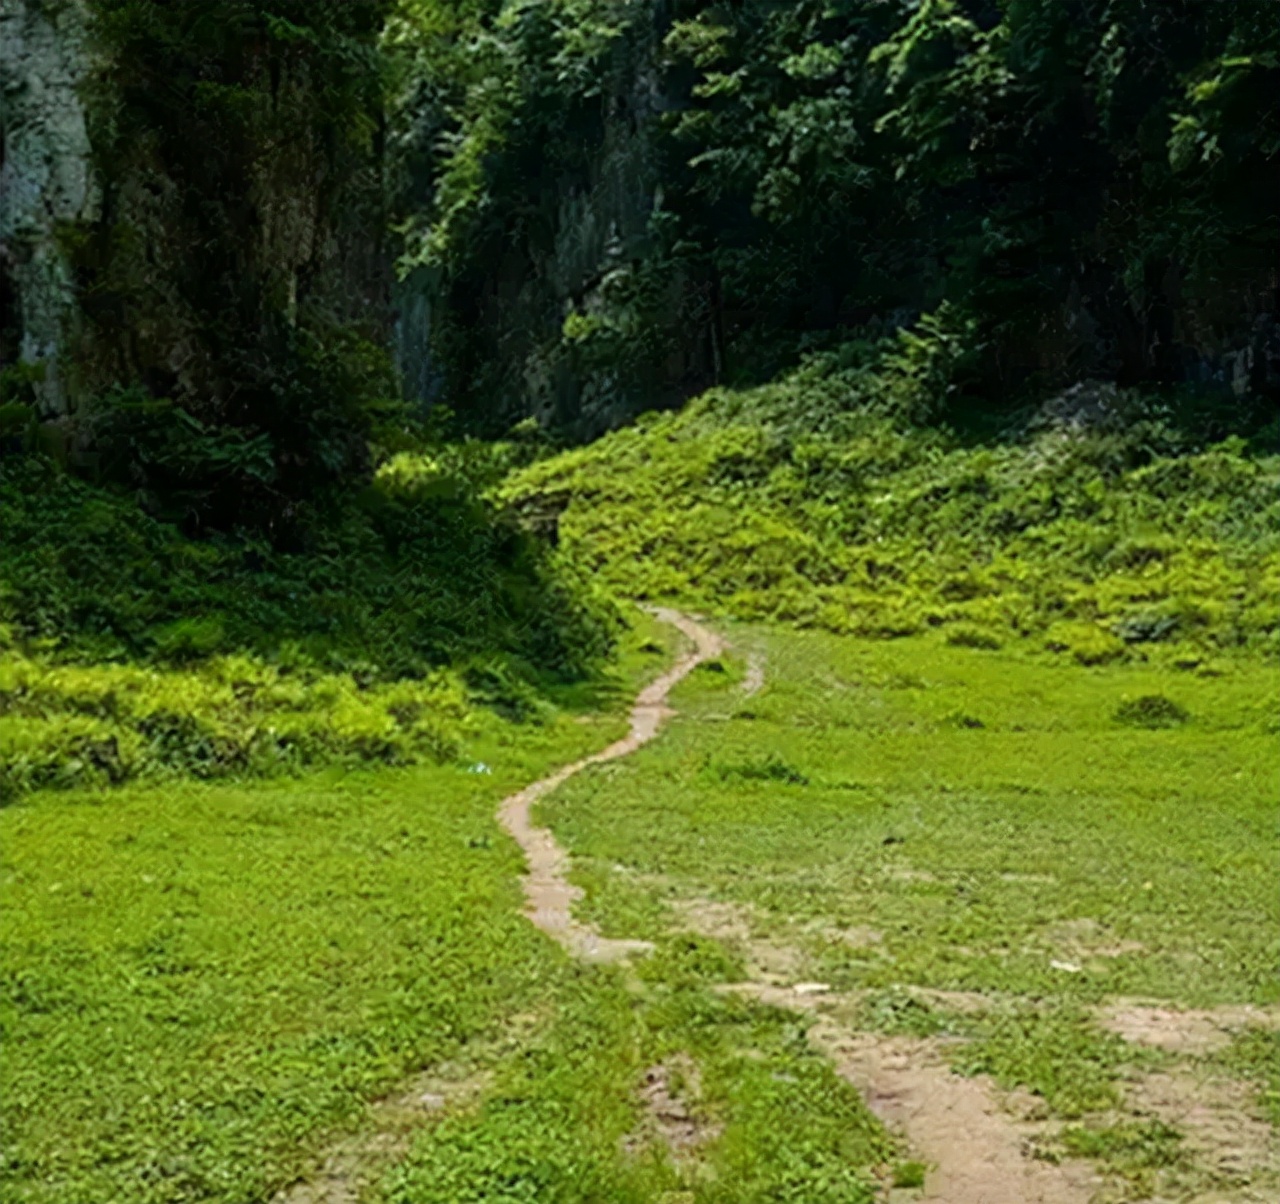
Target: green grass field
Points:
(206, 984)
(982, 811)
(202, 982)
(911, 819)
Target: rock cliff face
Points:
(570, 309)
(176, 200)
(47, 187)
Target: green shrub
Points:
(1086, 642)
(813, 501)
(132, 650)
(966, 635)
(1151, 710)
(407, 576)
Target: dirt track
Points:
(549, 895)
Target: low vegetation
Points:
(978, 854)
(130, 650)
(203, 981)
(989, 883)
(818, 501)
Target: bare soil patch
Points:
(1183, 1030)
(977, 1152)
(962, 1128)
(1221, 1133)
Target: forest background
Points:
(982, 297)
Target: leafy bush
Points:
(1151, 710)
(409, 576)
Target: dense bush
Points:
(413, 574)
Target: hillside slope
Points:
(1094, 526)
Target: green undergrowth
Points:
(202, 984)
(128, 650)
(764, 1116)
(985, 814)
(802, 501)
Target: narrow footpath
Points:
(548, 893)
(976, 1152)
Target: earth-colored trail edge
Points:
(548, 893)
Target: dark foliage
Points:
(1094, 184)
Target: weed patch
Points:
(1126, 1147)
(1058, 1054)
(770, 768)
(1151, 711)
(1255, 1055)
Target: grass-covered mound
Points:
(128, 649)
(1093, 526)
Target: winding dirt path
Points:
(548, 893)
(976, 1150)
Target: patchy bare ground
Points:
(978, 1153)
(1083, 940)
(1183, 1030)
(977, 1150)
(980, 1143)
(354, 1163)
(1234, 1155)
(672, 1116)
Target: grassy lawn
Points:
(909, 818)
(984, 813)
(202, 982)
(205, 984)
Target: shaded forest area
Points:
(236, 232)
